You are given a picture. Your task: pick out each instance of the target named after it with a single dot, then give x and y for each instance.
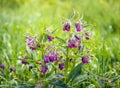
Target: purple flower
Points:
(70, 44)
(78, 27)
(24, 62)
(46, 59)
(66, 27)
(50, 38)
(87, 38)
(61, 66)
(44, 69)
(2, 66)
(85, 60)
(51, 58)
(56, 58)
(12, 69)
(31, 42)
(73, 44)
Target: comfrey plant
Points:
(58, 61)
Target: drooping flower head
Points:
(51, 56)
(78, 26)
(85, 60)
(32, 42)
(87, 36)
(24, 62)
(2, 66)
(50, 38)
(61, 66)
(44, 69)
(46, 59)
(66, 26)
(73, 43)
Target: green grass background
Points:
(20, 17)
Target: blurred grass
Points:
(20, 17)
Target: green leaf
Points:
(101, 83)
(80, 78)
(75, 72)
(30, 52)
(60, 39)
(82, 48)
(61, 84)
(115, 79)
(54, 31)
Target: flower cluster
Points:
(74, 42)
(78, 26)
(32, 42)
(50, 55)
(66, 26)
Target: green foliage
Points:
(20, 17)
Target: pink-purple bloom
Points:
(72, 43)
(61, 66)
(66, 27)
(46, 59)
(50, 38)
(87, 37)
(85, 60)
(78, 27)
(24, 62)
(51, 57)
(44, 69)
(2, 66)
(31, 42)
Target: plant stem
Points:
(66, 65)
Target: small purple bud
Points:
(78, 27)
(66, 27)
(32, 48)
(51, 58)
(61, 66)
(44, 69)
(24, 62)
(2, 66)
(12, 69)
(85, 60)
(50, 38)
(87, 38)
(70, 45)
(56, 58)
(46, 59)
(75, 45)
